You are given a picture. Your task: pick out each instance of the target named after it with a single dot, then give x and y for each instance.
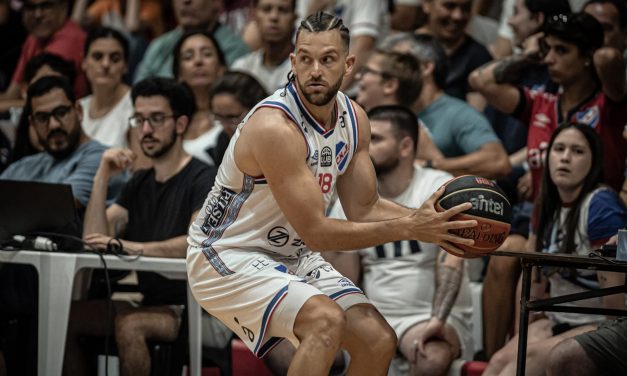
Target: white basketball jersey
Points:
(241, 212)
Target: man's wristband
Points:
(429, 163)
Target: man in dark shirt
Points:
(150, 217)
(447, 21)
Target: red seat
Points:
(244, 363)
(473, 368)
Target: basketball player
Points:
(250, 260)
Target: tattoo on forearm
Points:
(511, 68)
(448, 280)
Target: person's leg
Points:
(439, 353)
(538, 330)
(134, 327)
(369, 340)
(569, 358)
(538, 353)
(498, 295)
(320, 326)
(87, 318)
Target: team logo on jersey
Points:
(217, 208)
(326, 157)
(314, 159)
(541, 120)
(278, 236)
(341, 154)
(589, 116)
(317, 271)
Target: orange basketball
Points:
(490, 208)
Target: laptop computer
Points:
(32, 207)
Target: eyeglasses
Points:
(365, 70)
(60, 113)
(156, 120)
(43, 6)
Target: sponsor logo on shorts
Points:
(326, 157)
(317, 271)
(217, 207)
(278, 236)
(260, 263)
(345, 282)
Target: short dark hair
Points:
(620, 6)
(428, 49)
(106, 32)
(55, 62)
(320, 22)
(548, 7)
(405, 68)
(256, 2)
(580, 29)
(179, 96)
(46, 84)
(244, 87)
(402, 119)
(176, 58)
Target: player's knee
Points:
(326, 322)
(386, 341)
(435, 361)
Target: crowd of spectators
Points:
(134, 108)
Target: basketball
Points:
(490, 208)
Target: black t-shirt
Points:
(468, 57)
(160, 211)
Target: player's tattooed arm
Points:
(448, 277)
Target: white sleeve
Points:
(505, 31)
(364, 17)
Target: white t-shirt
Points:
(271, 78)
(111, 129)
(198, 146)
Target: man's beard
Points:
(385, 167)
(321, 99)
(72, 141)
(160, 152)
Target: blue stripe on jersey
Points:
(354, 125)
(231, 213)
(303, 110)
(289, 113)
(267, 315)
(341, 293)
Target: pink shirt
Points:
(67, 42)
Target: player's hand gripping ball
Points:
(490, 208)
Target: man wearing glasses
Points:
(69, 155)
(150, 217)
(50, 31)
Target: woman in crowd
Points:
(199, 62)
(574, 213)
(107, 110)
(230, 99)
